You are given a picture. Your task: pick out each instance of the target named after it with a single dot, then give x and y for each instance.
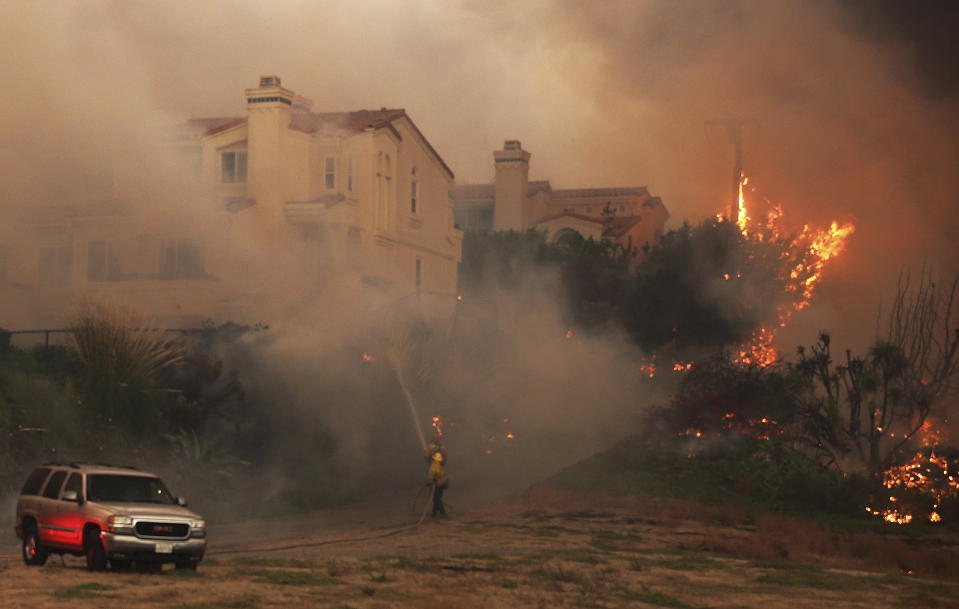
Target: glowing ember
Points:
(569, 334)
(649, 368)
(759, 429)
(510, 436)
(368, 357)
(925, 478)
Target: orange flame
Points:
(809, 252)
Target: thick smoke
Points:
(603, 95)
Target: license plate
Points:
(164, 548)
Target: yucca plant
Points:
(120, 355)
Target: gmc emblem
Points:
(162, 528)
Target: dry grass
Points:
(772, 536)
(497, 560)
(784, 538)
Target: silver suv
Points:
(107, 513)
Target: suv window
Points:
(110, 488)
(53, 486)
(35, 481)
(74, 483)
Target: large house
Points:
(628, 216)
(286, 200)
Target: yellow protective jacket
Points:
(437, 471)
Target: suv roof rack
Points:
(78, 464)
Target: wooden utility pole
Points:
(734, 127)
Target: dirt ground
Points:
(522, 553)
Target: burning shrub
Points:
(719, 398)
(701, 288)
(926, 487)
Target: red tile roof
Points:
(572, 193)
(487, 191)
(537, 186)
(569, 214)
(209, 126)
(326, 123)
(473, 191)
(617, 227)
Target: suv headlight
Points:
(198, 528)
(120, 524)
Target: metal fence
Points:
(61, 336)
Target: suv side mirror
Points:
(181, 501)
(70, 496)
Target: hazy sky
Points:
(849, 106)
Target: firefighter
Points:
(436, 457)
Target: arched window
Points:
(567, 236)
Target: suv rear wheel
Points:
(34, 554)
(93, 548)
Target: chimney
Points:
(510, 186)
(269, 111)
(269, 92)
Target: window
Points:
(56, 265)
(330, 172)
(35, 481)
(74, 483)
(384, 179)
(103, 261)
(233, 167)
(419, 274)
(181, 259)
(413, 191)
(349, 175)
(53, 486)
(110, 488)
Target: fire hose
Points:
(315, 544)
(415, 415)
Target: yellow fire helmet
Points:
(438, 457)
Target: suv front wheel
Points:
(34, 554)
(93, 548)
